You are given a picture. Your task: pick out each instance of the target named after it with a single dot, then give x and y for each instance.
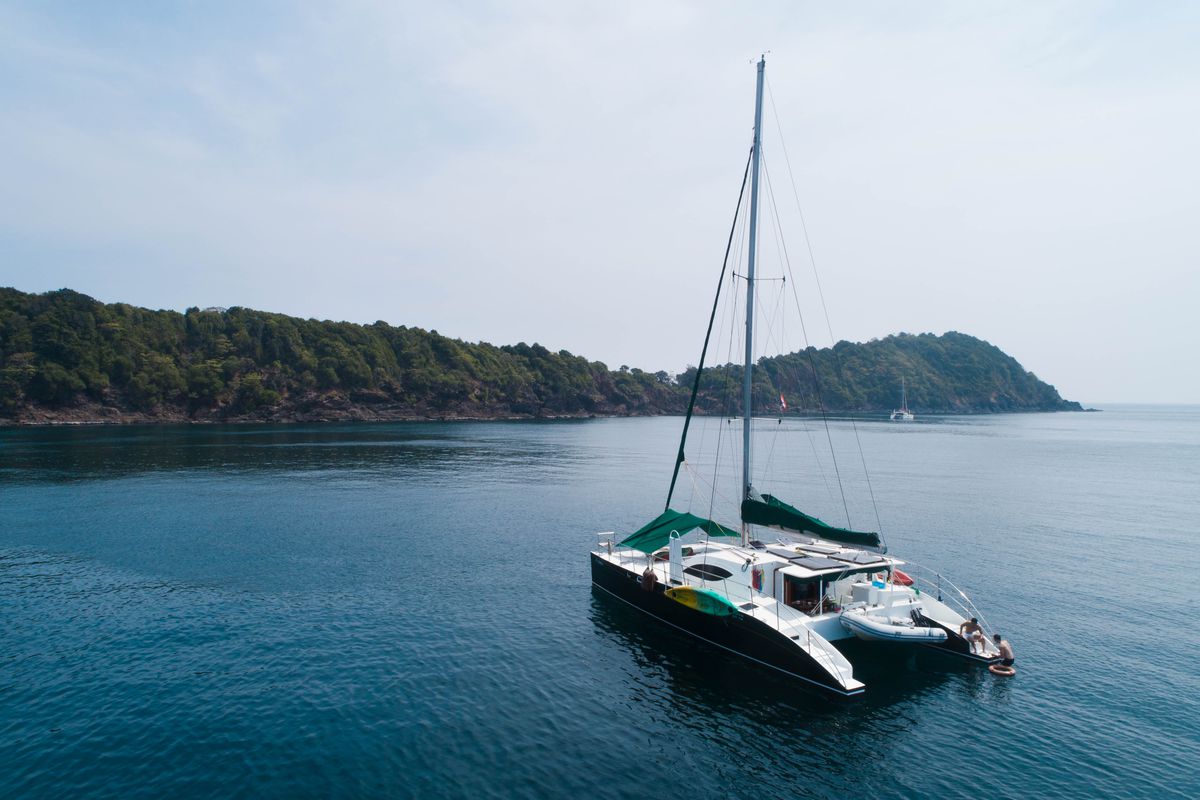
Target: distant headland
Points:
(66, 358)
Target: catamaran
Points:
(783, 589)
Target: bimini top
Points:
(772, 512)
(657, 532)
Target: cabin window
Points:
(802, 595)
(709, 572)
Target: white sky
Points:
(565, 173)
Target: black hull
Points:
(742, 635)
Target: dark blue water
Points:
(405, 611)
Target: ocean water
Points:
(405, 610)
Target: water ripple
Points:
(404, 611)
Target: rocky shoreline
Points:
(326, 410)
(92, 413)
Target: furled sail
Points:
(775, 513)
(657, 532)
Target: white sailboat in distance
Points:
(902, 414)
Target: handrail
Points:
(829, 650)
(963, 605)
(824, 645)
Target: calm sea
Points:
(405, 610)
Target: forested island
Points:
(65, 358)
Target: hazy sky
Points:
(565, 172)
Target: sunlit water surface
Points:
(405, 611)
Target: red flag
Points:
(782, 402)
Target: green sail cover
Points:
(776, 513)
(657, 532)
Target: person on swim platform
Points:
(1006, 651)
(973, 633)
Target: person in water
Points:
(1006, 651)
(973, 633)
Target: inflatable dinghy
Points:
(883, 629)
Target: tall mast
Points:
(747, 377)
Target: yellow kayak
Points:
(705, 601)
